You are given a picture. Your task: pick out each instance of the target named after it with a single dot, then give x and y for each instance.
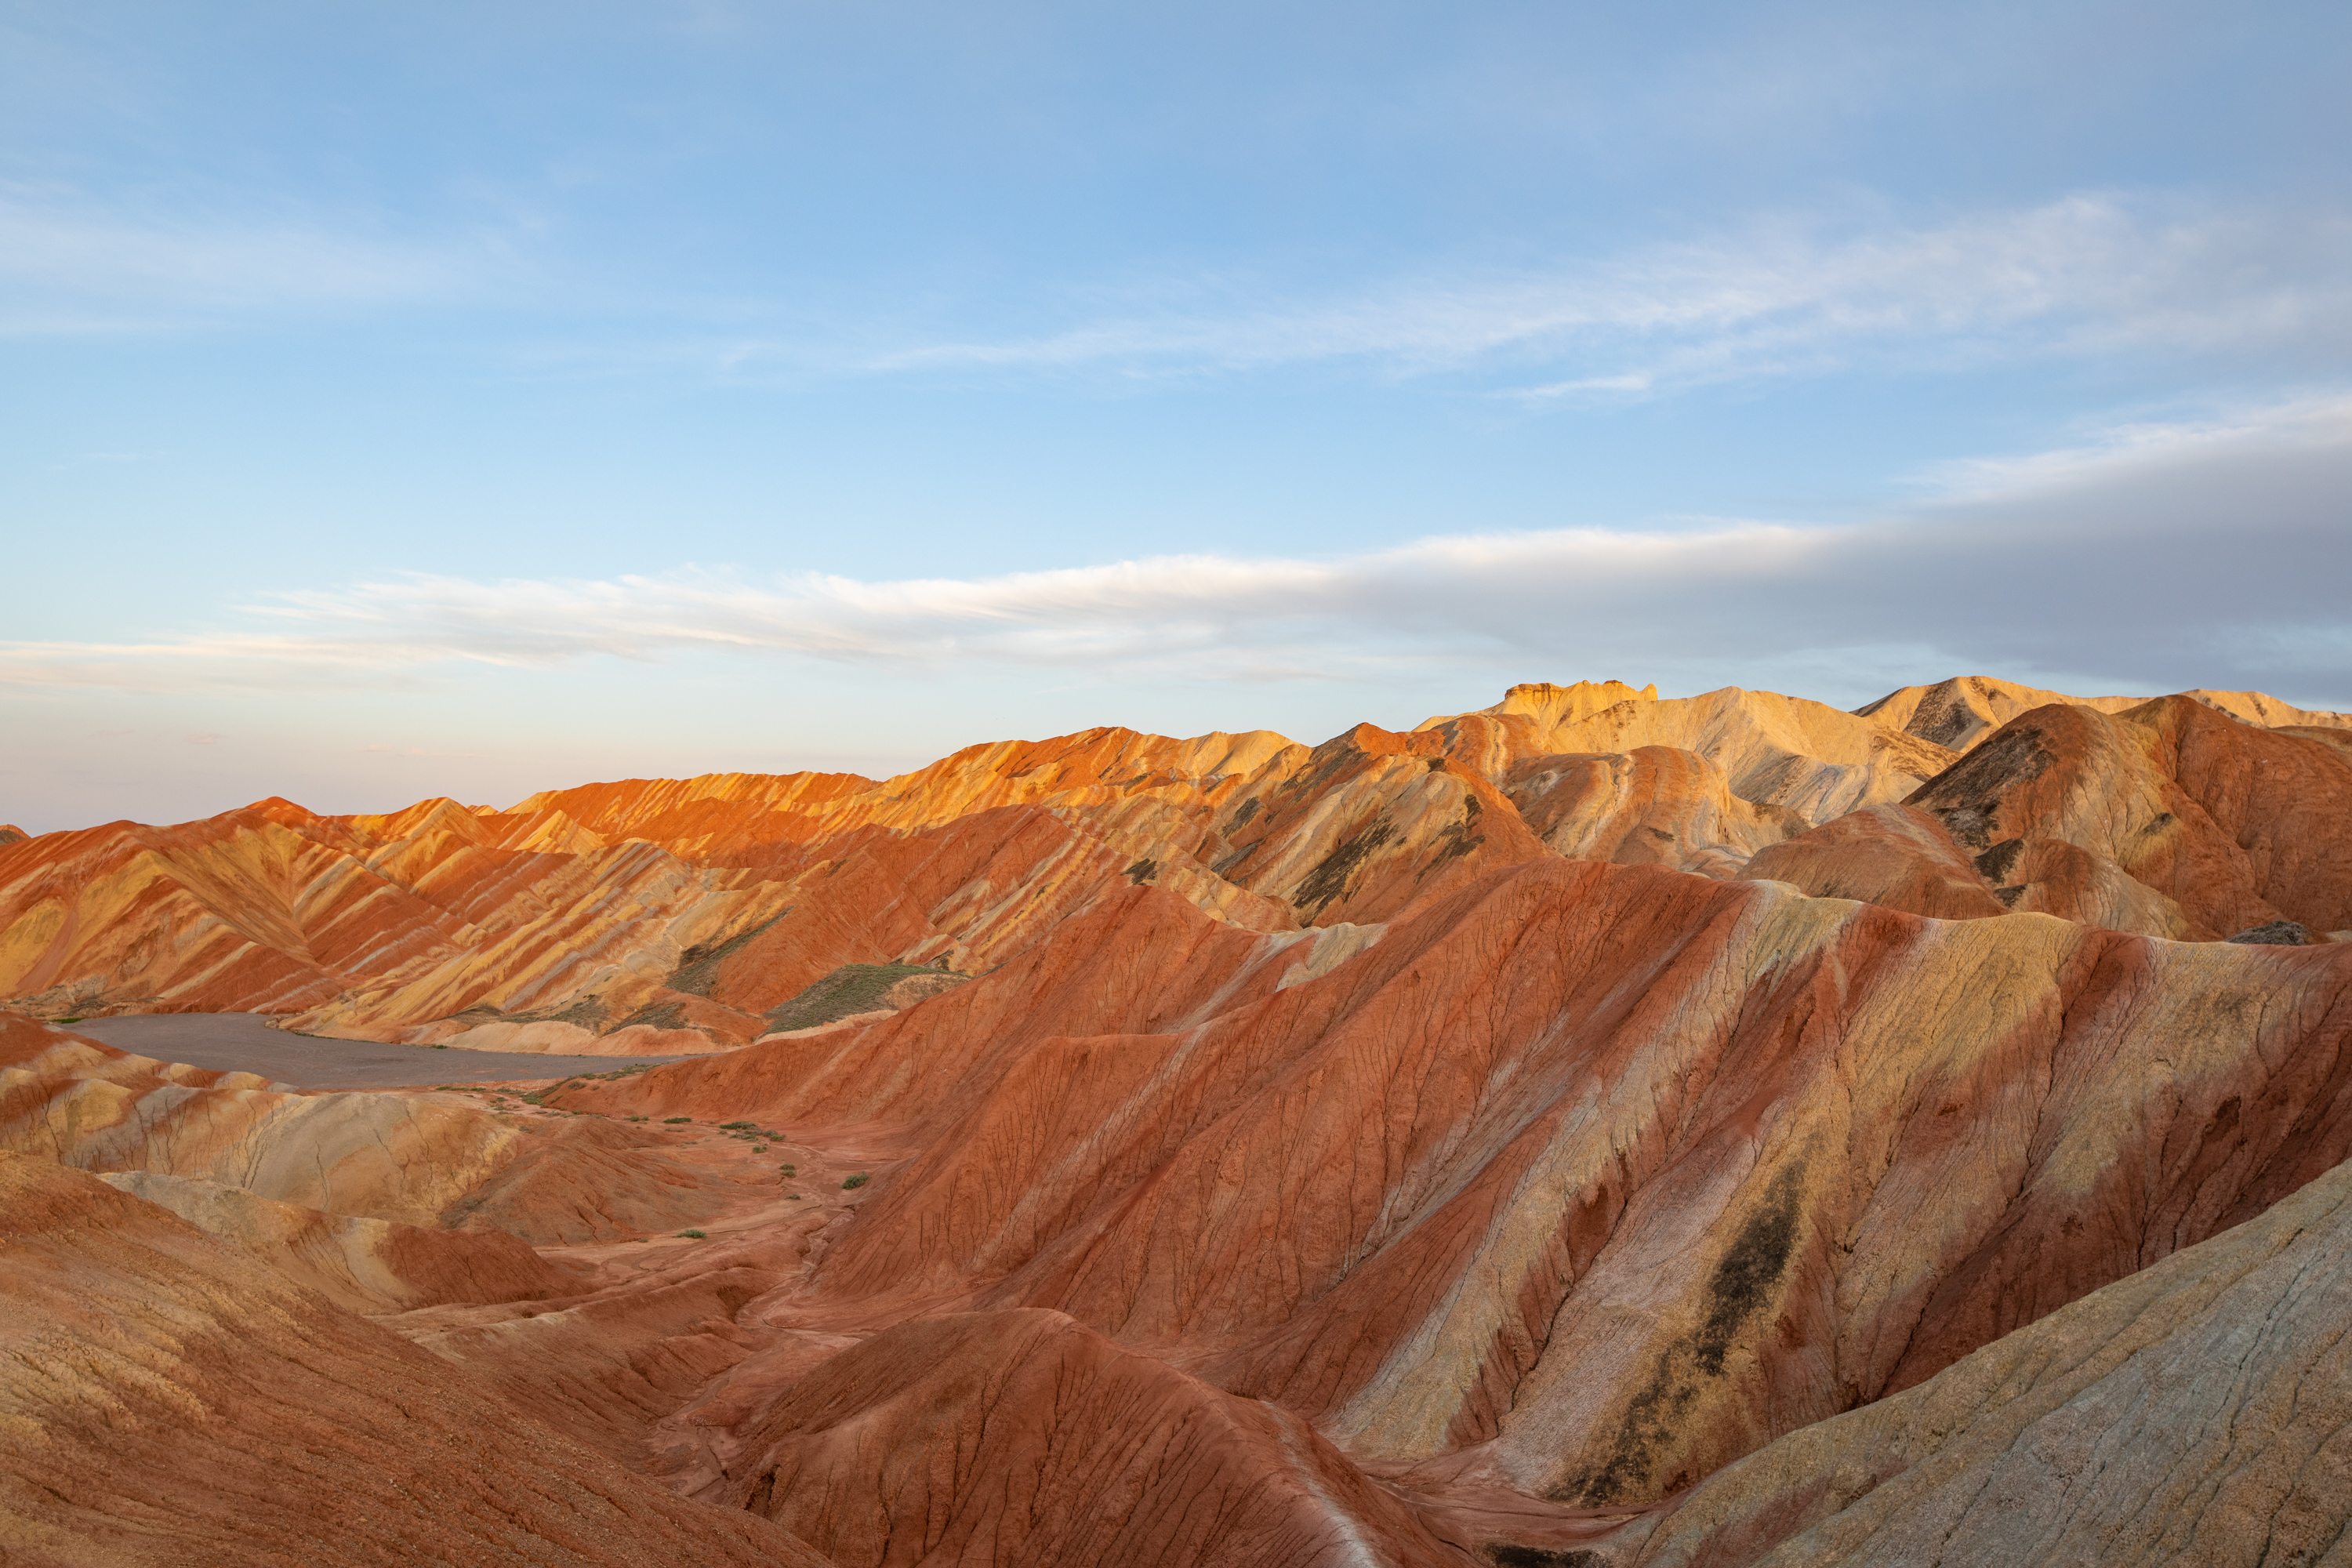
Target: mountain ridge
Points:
(1447, 1147)
(558, 923)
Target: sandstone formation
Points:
(1898, 856)
(1694, 1131)
(1774, 750)
(1709, 1176)
(431, 1161)
(1022, 1437)
(666, 917)
(1959, 713)
(2168, 817)
(2195, 1411)
(167, 1399)
(365, 1265)
(863, 992)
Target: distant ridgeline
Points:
(696, 914)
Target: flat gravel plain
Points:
(242, 1042)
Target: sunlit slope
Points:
(2168, 817)
(1450, 1146)
(1584, 1181)
(676, 915)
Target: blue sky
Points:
(418, 399)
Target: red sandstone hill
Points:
(2168, 817)
(1671, 1131)
(174, 1400)
(676, 915)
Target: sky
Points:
(401, 400)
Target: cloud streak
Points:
(2093, 274)
(70, 264)
(1218, 616)
(2214, 553)
(2086, 275)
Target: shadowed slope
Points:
(1024, 1437)
(168, 1400)
(643, 1337)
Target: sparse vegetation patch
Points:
(698, 966)
(853, 988)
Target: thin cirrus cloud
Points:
(70, 263)
(2209, 553)
(2089, 274)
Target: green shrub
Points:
(695, 1235)
(852, 988)
(634, 1119)
(674, 1121)
(736, 1126)
(854, 1182)
(792, 1170)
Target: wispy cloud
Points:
(2122, 451)
(2089, 274)
(84, 459)
(1242, 618)
(2195, 553)
(73, 263)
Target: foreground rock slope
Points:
(2195, 1413)
(1668, 1129)
(169, 1399)
(1585, 1181)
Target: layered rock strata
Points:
(2195, 1411)
(673, 916)
(169, 1399)
(1714, 1130)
